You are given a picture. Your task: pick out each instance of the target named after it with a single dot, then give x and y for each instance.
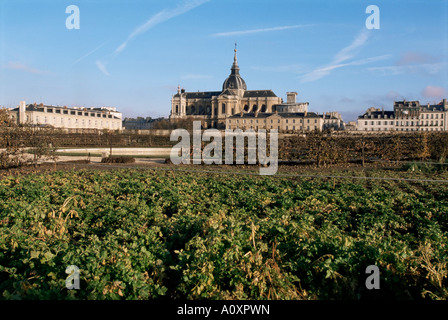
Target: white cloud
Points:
(89, 53)
(102, 67)
(326, 70)
(427, 68)
(160, 17)
(245, 32)
(342, 56)
(20, 66)
(156, 19)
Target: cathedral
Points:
(213, 108)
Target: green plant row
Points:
(162, 235)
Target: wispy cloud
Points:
(102, 67)
(252, 31)
(434, 92)
(158, 18)
(425, 69)
(19, 66)
(89, 53)
(340, 60)
(414, 57)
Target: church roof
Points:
(234, 80)
(259, 93)
(202, 95)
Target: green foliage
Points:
(151, 235)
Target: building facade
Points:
(138, 123)
(213, 108)
(283, 122)
(68, 118)
(406, 116)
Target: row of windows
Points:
(79, 113)
(278, 121)
(46, 121)
(422, 116)
(273, 127)
(404, 129)
(208, 109)
(405, 123)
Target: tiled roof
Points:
(375, 114)
(200, 95)
(259, 93)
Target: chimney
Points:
(291, 97)
(22, 112)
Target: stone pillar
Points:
(22, 112)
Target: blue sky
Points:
(133, 54)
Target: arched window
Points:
(254, 108)
(201, 110)
(192, 109)
(177, 109)
(223, 108)
(246, 108)
(263, 108)
(209, 110)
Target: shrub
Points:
(118, 160)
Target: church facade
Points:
(213, 108)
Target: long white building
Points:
(69, 118)
(406, 116)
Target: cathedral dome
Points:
(234, 81)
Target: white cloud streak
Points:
(342, 56)
(158, 18)
(102, 67)
(89, 53)
(252, 31)
(426, 68)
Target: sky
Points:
(133, 54)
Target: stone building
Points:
(214, 107)
(283, 122)
(138, 123)
(375, 119)
(406, 116)
(68, 118)
(411, 116)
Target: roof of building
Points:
(234, 80)
(376, 114)
(201, 95)
(259, 93)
